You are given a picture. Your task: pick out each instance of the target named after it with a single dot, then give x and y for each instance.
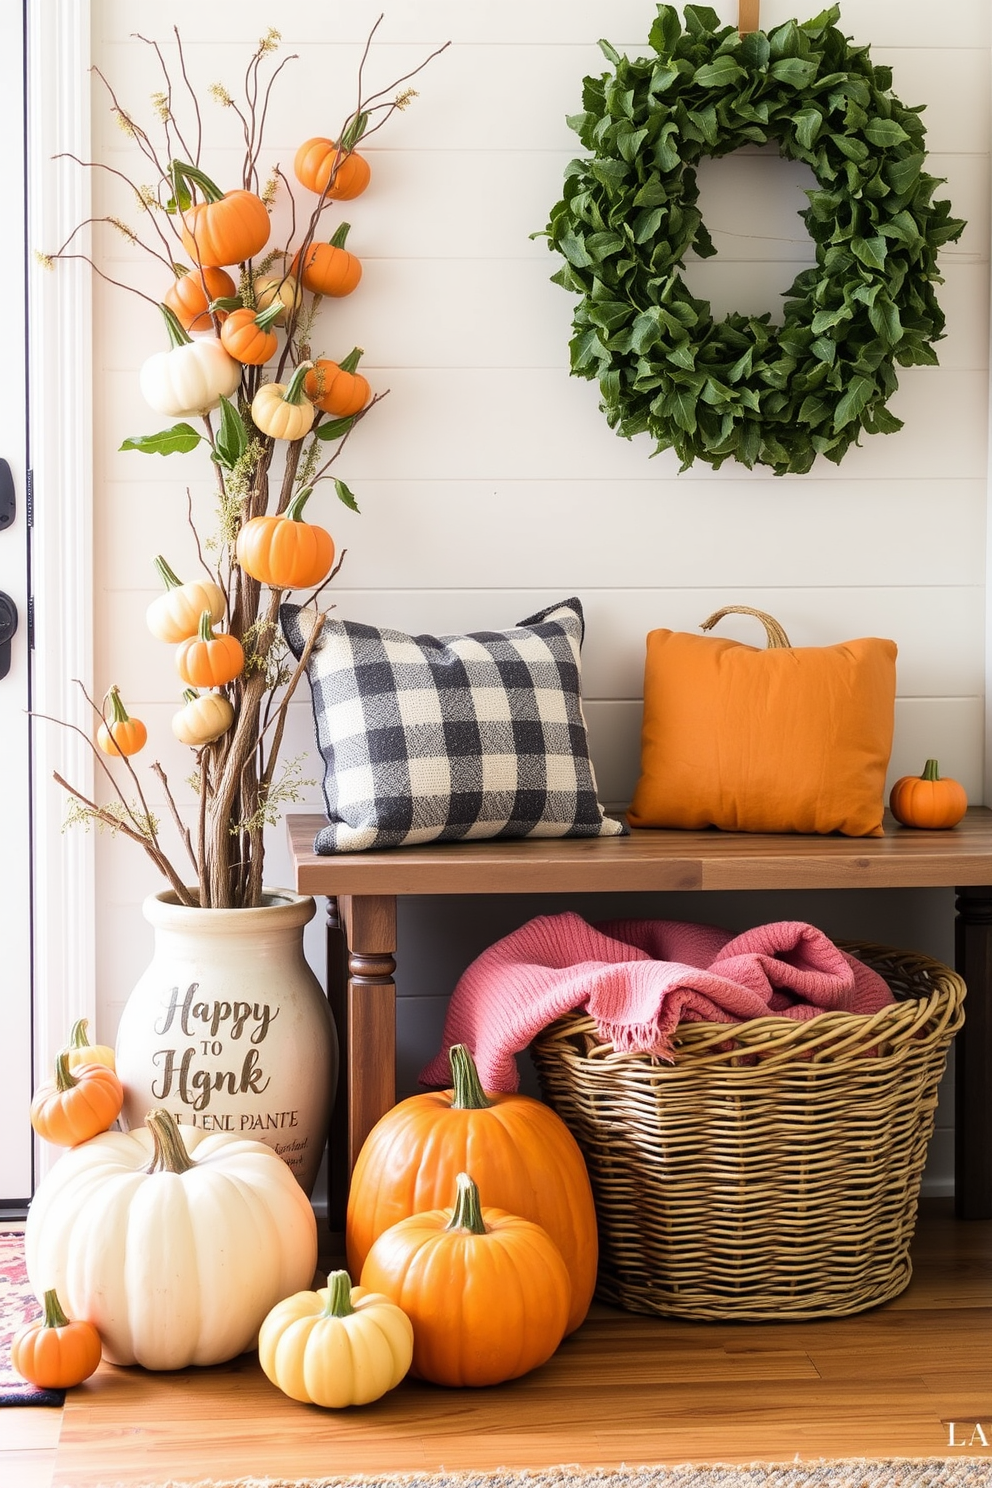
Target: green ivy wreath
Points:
(775, 395)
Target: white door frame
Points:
(59, 50)
(15, 885)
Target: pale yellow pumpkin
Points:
(341, 1345)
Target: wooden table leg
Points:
(370, 928)
(337, 1141)
(973, 1057)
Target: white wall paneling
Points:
(489, 482)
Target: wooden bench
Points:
(362, 889)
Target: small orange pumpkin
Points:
(54, 1353)
(76, 1104)
(928, 800)
(245, 334)
(322, 166)
(486, 1291)
(186, 298)
(328, 268)
(121, 735)
(336, 387)
(209, 659)
(226, 227)
(285, 551)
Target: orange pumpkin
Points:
(188, 302)
(285, 551)
(227, 227)
(520, 1152)
(246, 336)
(928, 800)
(121, 735)
(336, 388)
(328, 268)
(209, 659)
(323, 167)
(54, 1353)
(486, 1291)
(76, 1104)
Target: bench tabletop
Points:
(653, 860)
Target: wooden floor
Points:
(886, 1383)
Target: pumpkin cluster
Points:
(131, 1266)
(470, 1224)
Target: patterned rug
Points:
(909, 1473)
(18, 1305)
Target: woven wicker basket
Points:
(775, 1178)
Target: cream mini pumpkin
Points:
(173, 1242)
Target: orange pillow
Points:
(788, 739)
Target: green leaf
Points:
(870, 251)
(680, 407)
(232, 436)
(809, 121)
(346, 496)
(795, 72)
(902, 175)
(813, 411)
(885, 319)
(335, 428)
(722, 72)
(885, 133)
(853, 402)
(178, 440)
(665, 30)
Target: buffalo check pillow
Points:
(442, 738)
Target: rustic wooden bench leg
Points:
(370, 929)
(337, 1142)
(973, 1057)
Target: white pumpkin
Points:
(175, 1243)
(189, 379)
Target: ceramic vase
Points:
(229, 1029)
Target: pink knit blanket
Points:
(638, 979)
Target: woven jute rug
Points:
(897, 1473)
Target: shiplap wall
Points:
(489, 483)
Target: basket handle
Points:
(776, 635)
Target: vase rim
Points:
(279, 907)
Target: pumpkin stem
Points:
(64, 1078)
(189, 696)
(206, 630)
(170, 1155)
(54, 1316)
(179, 170)
(165, 573)
(930, 771)
(339, 237)
(338, 1295)
(469, 1094)
(467, 1213)
(77, 1035)
(294, 391)
(352, 360)
(118, 711)
(294, 511)
(353, 131)
(265, 318)
(177, 335)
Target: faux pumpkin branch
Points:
(276, 412)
